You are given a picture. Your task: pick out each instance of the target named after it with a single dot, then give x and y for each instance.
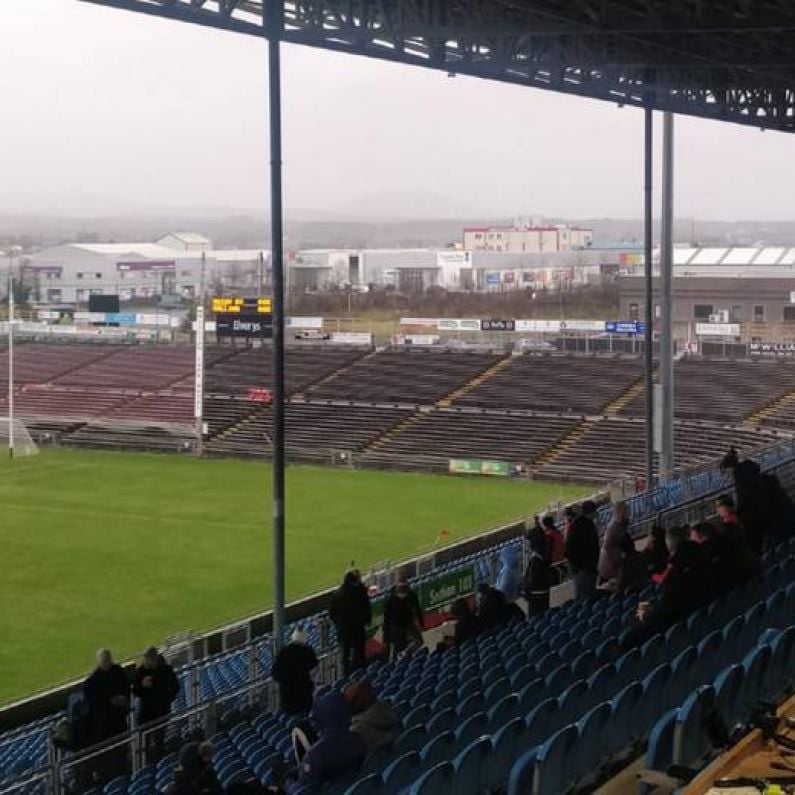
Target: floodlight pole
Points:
(11, 353)
(198, 387)
(666, 301)
(274, 28)
(648, 359)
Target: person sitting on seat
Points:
(337, 751)
(375, 721)
(733, 560)
(688, 586)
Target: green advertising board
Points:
(447, 588)
(477, 466)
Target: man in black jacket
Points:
(403, 619)
(351, 613)
(292, 669)
(582, 551)
(155, 685)
(107, 694)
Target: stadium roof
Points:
(731, 60)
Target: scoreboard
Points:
(249, 318)
(242, 306)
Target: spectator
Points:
(730, 460)
(754, 506)
(537, 576)
(569, 515)
(465, 626)
(466, 622)
(727, 516)
(373, 720)
(351, 613)
(194, 774)
(690, 585)
(336, 753)
(733, 561)
(582, 551)
(107, 694)
(492, 607)
(655, 555)
(509, 577)
(155, 685)
(555, 540)
(404, 620)
(614, 544)
(292, 670)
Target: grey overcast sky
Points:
(108, 111)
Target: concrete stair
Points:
(757, 417)
(618, 404)
(448, 400)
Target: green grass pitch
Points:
(122, 549)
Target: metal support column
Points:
(648, 210)
(198, 386)
(666, 302)
(274, 27)
(11, 353)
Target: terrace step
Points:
(617, 405)
(783, 402)
(447, 400)
(567, 441)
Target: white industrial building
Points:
(411, 270)
(71, 273)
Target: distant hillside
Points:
(316, 229)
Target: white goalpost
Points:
(15, 437)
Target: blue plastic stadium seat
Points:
(627, 718)
(499, 689)
(556, 769)
(506, 744)
(442, 747)
(472, 768)
(657, 696)
(728, 707)
(522, 676)
(531, 694)
(505, 709)
(593, 745)
(573, 701)
(684, 672)
(755, 663)
(660, 751)
(436, 781)
(523, 773)
(411, 739)
(473, 727)
(692, 743)
(443, 721)
(402, 772)
(542, 721)
(779, 679)
(369, 785)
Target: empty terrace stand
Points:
(417, 377)
(251, 368)
(613, 449)
(135, 367)
(581, 384)
(313, 431)
(432, 439)
(728, 391)
(39, 363)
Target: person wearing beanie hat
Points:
(292, 670)
(373, 720)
